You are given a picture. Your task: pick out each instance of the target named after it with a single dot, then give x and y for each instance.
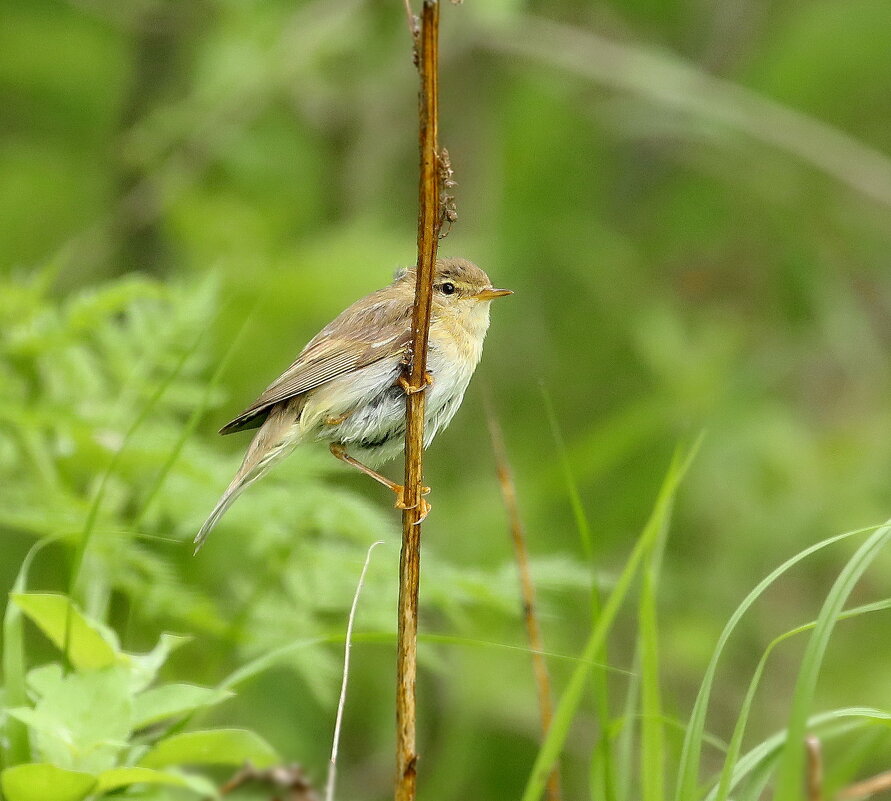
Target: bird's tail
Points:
(232, 492)
(275, 439)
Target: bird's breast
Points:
(372, 405)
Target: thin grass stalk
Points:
(623, 753)
(192, 422)
(829, 725)
(652, 733)
(867, 787)
(602, 775)
(569, 702)
(81, 547)
(729, 772)
(789, 777)
(527, 588)
(341, 704)
(688, 773)
(429, 223)
(16, 747)
(75, 581)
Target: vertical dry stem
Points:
(429, 222)
(527, 588)
(814, 769)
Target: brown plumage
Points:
(342, 388)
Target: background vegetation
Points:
(692, 202)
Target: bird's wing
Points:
(373, 329)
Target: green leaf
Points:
(170, 700)
(43, 782)
(16, 746)
(268, 660)
(87, 644)
(116, 778)
(213, 747)
(83, 721)
(41, 680)
(145, 667)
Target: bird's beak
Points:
(489, 294)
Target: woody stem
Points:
(429, 221)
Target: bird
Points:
(346, 387)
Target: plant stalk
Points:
(527, 588)
(429, 224)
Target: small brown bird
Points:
(344, 387)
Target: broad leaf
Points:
(89, 645)
(83, 721)
(144, 667)
(212, 747)
(41, 680)
(116, 778)
(42, 782)
(170, 700)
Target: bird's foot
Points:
(336, 421)
(422, 505)
(411, 390)
(398, 490)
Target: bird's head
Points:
(457, 282)
(458, 285)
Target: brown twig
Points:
(527, 588)
(868, 787)
(282, 777)
(429, 223)
(814, 769)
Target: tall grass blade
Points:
(572, 489)
(826, 725)
(90, 523)
(688, 769)
(790, 777)
(193, 420)
(652, 735)
(624, 737)
(607, 443)
(16, 748)
(725, 783)
(602, 770)
(569, 701)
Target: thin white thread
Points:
(332, 764)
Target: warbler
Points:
(346, 386)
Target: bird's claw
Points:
(422, 505)
(411, 390)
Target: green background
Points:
(692, 203)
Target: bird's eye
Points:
(448, 288)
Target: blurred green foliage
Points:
(96, 725)
(692, 202)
